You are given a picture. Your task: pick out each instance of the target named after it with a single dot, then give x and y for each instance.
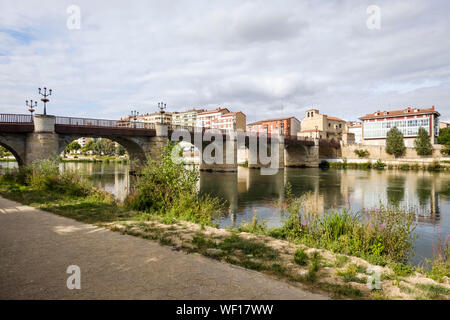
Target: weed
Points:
(301, 257)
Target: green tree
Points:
(88, 146)
(423, 143)
(104, 147)
(444, 138)
(4, 152)
(120, 150)
(74, 145)
(395, 143)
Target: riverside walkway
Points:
(36, 247)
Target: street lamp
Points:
(45, 99)
(32, 107)
(161, 106)
(134, 115)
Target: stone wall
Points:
(379, 152)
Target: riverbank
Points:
(95, 159)
(426, 164)
(343, 276)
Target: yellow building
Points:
(317, 125)
(186, 118)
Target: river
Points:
(427, 193)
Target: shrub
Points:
(440, 266)
(446, 149)
(366, 165)
(301, 257)
(435, 166)
(324, 164)
(395, 143)
(362, 153)
(379, 165)
(387, 233)
(168, 188)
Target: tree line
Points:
(99, 146)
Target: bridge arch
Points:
(132, 145)
(15, 145)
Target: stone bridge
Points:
(32, 138)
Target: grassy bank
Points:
(96, 159)
(166, 207)
(380, 165)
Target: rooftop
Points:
(215, 111)
(269, 120)
(335, 118)
(402, 112)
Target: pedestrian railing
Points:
(15, 118)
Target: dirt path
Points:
(36, 248)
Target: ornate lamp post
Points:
(134, 115)
(161, 106)
(32, 107)
(45, 99)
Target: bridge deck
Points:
(22, 123)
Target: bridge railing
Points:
(86, 122)
(16, 118)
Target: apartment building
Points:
(186, 118)
(288, 126)
(317, 125)
(155, 117)
(376, 125)
(355, 128)
(221, 118)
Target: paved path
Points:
(36, 248)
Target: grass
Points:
(301, 257)
(351, 272)
(341, 261)
(434, 291)
(341, 290)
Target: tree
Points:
(120, 150)
(74, 145)
(423, 143)
(395, 143)
(444, 138)
(104, 147)
(4, 152)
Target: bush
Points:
(435, 166)
(168, 188)
(362, 153)
(44, 175)
(324, 165)
(386, 232)
(379, 165)
(301, 257)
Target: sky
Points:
(265, 58)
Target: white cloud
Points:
(264, 58)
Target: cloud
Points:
(265, 58)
